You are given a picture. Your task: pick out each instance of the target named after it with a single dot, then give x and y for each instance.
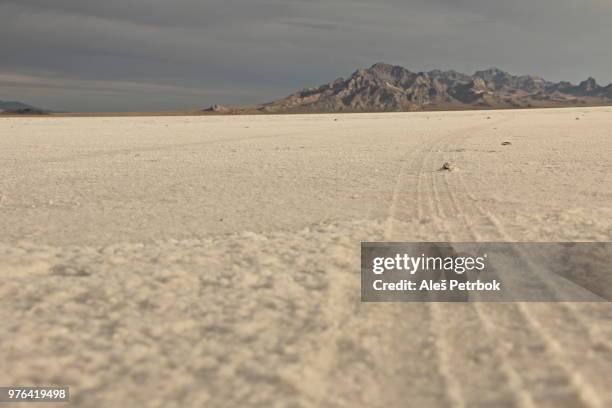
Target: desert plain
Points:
(213, 261)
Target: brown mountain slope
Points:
(385, 87)
(19, 108)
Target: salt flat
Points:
(214, 261)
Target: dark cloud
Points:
(173, 54)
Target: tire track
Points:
(587, 394)
(394, 200)
(443, 329)
(442, 351)
(391, 325)
(516, 393)
(561, 311)
(454, 390)
(516, 381)
(452, 396)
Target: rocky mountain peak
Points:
(589, 85)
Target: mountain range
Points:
(385, 87)
(392, 88)
(19, 108)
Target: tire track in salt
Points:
(454, 390)
(445, 348)
(516, 393)
(567, 313)
(451, 397)
(392, 325)
(583, 387)
(442, 352)
(587, 394)
(394, 200)
(516, 382)
(524, 398)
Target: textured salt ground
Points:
(216, 321)
(268, 320)
(120, 279)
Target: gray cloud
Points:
(240, 52)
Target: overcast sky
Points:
(117, 55)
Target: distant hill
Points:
(19, 108)
(385, 87)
